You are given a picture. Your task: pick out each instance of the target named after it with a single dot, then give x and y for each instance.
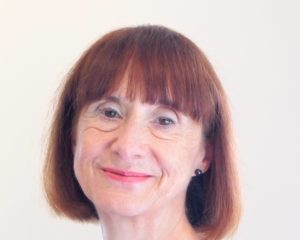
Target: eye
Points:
(165, 125)
(111, 113)
(108, 112)
(165, 121)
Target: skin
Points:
(134, 161)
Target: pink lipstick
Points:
(125, 176)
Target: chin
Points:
(127, 206)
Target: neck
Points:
(160, 224)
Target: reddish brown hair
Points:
(162, 66)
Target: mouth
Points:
(125, 176)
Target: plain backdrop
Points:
(255, 49)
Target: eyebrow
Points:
(169, 104)
(112, 99)
(164, 103)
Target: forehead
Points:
(155, 73)
(132, 89)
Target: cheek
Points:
(87, 150)
(89, 144)
(172, 158)
(181, 157)
(177, 167)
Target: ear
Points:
(208, 157)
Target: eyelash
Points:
(162, 120)
(105, 110)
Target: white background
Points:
(255, 49)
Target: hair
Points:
(162, 66)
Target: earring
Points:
(198, 172)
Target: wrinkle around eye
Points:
(171, 137)
(98, 129)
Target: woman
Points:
(141, 140)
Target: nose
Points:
(130, 141)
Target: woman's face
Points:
(131, 157)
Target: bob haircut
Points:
(162, 66)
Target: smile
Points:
(125, 176)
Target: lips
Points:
(125, 176)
